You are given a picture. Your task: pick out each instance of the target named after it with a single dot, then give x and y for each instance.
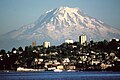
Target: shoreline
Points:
(59, 71)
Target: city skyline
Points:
(15, 14)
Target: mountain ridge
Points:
(57, 25)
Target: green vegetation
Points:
(102, 55)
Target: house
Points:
(60, 67)
(56, 62)
(53, 53)
(83, 57)
(95, 62)
(51, 68)
(71, 67)
(104, 66)
(66, 60)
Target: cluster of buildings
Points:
(82, 40)
(46, 44)
(85, 60)
(70, 56)
(65, 64)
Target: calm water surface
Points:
(60, 75)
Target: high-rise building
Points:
(34, 43)
(46, 44)
(83, 39)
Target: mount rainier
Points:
(56, 26)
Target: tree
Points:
(13, 49)
(26, 48)
(3, 53)
(20, 49)
(113, 45)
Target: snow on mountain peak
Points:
(49, 11)
(57, 25)
(62, 15)
(68, 9)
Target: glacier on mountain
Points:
(56, 26)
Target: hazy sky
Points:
(16, 13)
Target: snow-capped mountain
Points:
(58, 25)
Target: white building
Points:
(66, 60)
(46, 44)
(83, 39)
(95, 62)
(68, 41)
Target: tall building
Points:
(83, 39)
(34, 43)
(46, 44)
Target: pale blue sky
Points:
(16, 13)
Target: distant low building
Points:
(71, 67)
(46, 44)
(66, 60)
(95, 62)
(115, 39)
(68, 41)
(60, 67)
(104, 66)
(34, 43)
(51, 68)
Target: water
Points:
(60, 75)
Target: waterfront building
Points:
(46, 44)
(83, 39)
(60, 67)
(70, 67)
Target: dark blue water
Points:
(60, 75)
